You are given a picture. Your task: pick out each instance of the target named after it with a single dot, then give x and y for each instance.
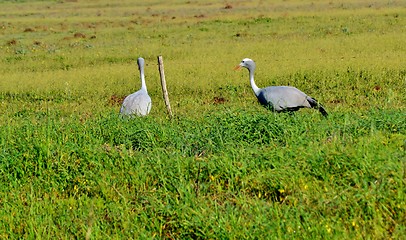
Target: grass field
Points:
(224, 167)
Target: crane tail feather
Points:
(323, 111)
(315, 104)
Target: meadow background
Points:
(224, 167)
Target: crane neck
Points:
(142, 76)
(255, 88)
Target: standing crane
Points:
(280, 98)
(138, 103)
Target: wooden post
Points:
(163, 84)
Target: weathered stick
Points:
(163, 83)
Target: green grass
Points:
(224, 167)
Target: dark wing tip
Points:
(323, 111)
(315, 104)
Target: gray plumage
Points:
(280, 98)
(138, 103)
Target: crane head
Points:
(140, 62)
(247, 63)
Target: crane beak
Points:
(237, 67)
